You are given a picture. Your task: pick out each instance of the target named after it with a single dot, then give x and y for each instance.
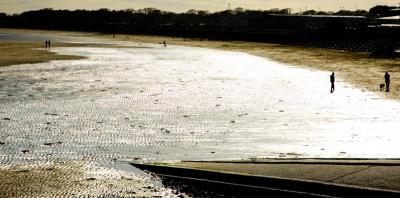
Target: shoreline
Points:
(358, 68)
(33, 52)
(263, 49)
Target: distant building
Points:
(307, 21)
(389, 21)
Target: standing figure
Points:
(387, 81)
(165, 44)
(49, 44)
(332, 82)
(46, 44)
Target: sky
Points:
(18, 6)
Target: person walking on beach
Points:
(387, 81)
(165, 44)
(46, 44)
(332, 82)
(49, 43)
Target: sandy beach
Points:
(357, 68)
(74, 179)
(14, 53)
(140, 101)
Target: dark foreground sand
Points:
(73, 179)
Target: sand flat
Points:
(157, 104)
(182, 103)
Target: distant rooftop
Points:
(391, 25)
(322, 16)
(390, 18)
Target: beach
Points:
(137, 100)
(358, 68)
(14, 53)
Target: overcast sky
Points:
(17, 6)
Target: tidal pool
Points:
(158, 104)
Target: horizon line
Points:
(181, 12)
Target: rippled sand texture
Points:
(75, 180)
(185, 103)
(181, 103)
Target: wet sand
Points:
(14, 53)
(358, 68)
(182, 103)
(75, 179)
(31, 52)
(156, 104)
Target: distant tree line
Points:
(87, 19)
(274, 25)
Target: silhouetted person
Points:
(332, 82)
(49, 44)
(46, 44)
(165, 44)
(387, 81)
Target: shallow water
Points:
(181, 103)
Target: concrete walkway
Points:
(380, 174)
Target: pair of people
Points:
(48, 44)
(387, 81)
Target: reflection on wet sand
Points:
(180, 103)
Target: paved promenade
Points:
(380, 174)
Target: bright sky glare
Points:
(18, 6)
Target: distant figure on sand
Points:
(46, 44)
(387, 81)
(49, 43)
(332, 82)
(165, 44)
